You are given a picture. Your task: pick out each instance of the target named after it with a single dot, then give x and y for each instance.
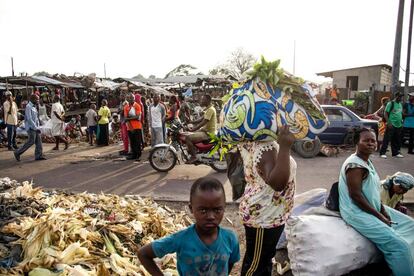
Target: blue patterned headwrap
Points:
(405, 180)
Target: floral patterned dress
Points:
(260, 205)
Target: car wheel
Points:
(349, 139)
(308, 148)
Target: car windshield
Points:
(334, 112)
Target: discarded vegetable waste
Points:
(57, 233)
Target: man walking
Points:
(394, 121)
(31, 122)
(156, 120)
(10, 118)
(132, 114)
(58, 123)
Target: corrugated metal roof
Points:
(49, 80)
(30, 81)
(139, 84)
(5, 86)
(73, 84)
(191, 79)
(105, 83)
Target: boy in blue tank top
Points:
(203, 248)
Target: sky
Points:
(153, 37)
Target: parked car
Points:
(342, 125)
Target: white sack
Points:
(326, 245)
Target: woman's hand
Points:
(274, 167)
(285, 138)
(384, 213)
(384, 219)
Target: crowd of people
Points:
(139, 122)
(396, 122)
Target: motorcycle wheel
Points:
(219, 166)
(162, 159)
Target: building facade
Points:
(361, 78)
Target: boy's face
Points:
(208, 209)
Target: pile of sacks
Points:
(57, 233)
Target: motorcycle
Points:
(164, 157)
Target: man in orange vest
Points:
(132, 115)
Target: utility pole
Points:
(12, 66)
(397, 50)
(294, 56)
(407, 69)
(105, 70)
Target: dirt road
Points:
(92, 169)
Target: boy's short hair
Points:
(206, 184)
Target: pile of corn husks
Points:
(56, 233)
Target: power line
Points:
(405, 70)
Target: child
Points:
(116, 124)
(74, 129)
(91, 118)
(203, 248)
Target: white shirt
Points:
(156, 116)
(42, 110)
(90, 116)
(59, 110)
(132, 112)
(10, 119)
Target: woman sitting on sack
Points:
(360, 206)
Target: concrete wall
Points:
(386, 80)
(366, 77)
